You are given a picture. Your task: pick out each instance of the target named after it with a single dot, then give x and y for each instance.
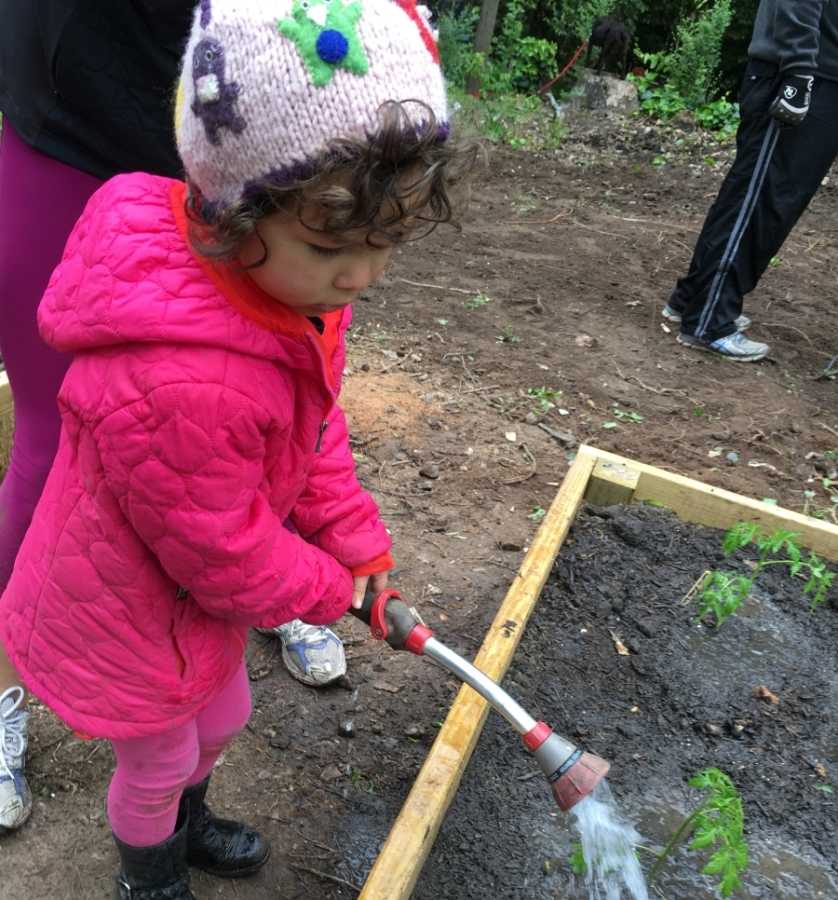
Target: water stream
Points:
(608, 842)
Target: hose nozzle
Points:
(572, 773)
(579, 780)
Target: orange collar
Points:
(250, 300)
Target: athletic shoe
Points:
(734, 346)
(313, 654)
(742, 323)
(15, 797)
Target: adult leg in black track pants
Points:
(775, 174)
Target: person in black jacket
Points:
(86, 93)
(785, 146)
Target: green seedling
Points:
(722, 593)
(775, 261)
(626, 415)
(477, 301)
(361, 781)
(537, 514)
(545, 397)
(717, 823)
(507, 336)
(576, 861)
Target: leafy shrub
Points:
(456, 44)
(693, 67)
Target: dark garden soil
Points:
(685, 698)
(555, 283)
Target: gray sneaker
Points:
(313, 654)
(15, 797)
(734, 346)
(742, 323)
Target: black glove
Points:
(793, 98)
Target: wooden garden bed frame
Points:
(603, 479)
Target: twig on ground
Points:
(657, 223)
(694, 589)
(596, 230)
(531, 460)
(632, 379)
(437, 287)
(829, 428)
(325, 875)
(830, 371)
(536, 221)
(789, 327)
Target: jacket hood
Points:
(128, 276)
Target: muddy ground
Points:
(615, 660)
(456, 358)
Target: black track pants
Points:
(775, 174)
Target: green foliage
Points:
(693, 66)
(478, 301)
(576, 860)
(661, 98)
(519, 61)
(721, 116)
(456, 44)
(722, 593)
(718, 822)
(537, 514)
(521, 122)
(577, 19)
(545, 397)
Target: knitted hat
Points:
(266, 85)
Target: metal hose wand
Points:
(572, 773)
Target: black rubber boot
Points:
(218, 846)
(154, 873)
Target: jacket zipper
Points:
(323, 426)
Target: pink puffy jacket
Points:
(190, 435)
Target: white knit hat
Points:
(266, 85)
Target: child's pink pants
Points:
(151, 772)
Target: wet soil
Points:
(683, 699)
(554, 285)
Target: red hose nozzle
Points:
(572, 773)
(579, 780)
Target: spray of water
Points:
(608, 842)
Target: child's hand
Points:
(377, 583)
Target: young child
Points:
(204, 482)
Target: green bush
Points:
(456, 43)
(694, 65)
(518, 61)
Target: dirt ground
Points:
(456, 363)
(679, 698)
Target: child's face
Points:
(309, 270)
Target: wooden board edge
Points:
(397, 868)
(611, 483)
(703, 504)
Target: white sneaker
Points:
(734, 346)
(15, 797)
(313, 654)
(742, 323)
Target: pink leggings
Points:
(40, 200)
(151, 772)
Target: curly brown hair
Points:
(403, 174)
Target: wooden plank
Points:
(400, 861)
(694, 501)
(611, 483)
